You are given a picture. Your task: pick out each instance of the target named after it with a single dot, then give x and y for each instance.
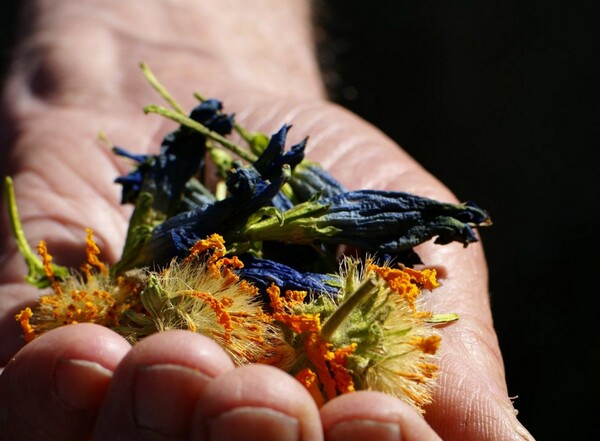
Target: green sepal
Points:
(153, 297)
(257, 141)
(139, 318)
(296, 225)
(440, 319)
(142, 222)
(222, 160)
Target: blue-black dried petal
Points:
(177, 234)
(181, 156)
(310, 179)
(245, 182)
(272, 159)
(394, 221)
(264, 272)
(381, 221)
(209, 114)
(131, 183)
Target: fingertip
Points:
(373, 415)
(60, 377)
(185, 348)
(256, 402)
(156, 386)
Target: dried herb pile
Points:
(254, 261)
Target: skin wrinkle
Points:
(61, 221)
(49, 16)
(52, 75)
(482, 351)
(478, 403)
(107, 192)
(66, 209)
(250, 390)
(333, 135)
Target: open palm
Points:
(63, 175)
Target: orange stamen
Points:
(309, 379)
(343, 378)
(399, 281)
(428, 370)
(23, 318)
(300, 323)
(427, 278)
(92, 251)
(214, 242)
(429, 345)
(276, 301)
(47, 262)
(219, 309)
(295, 297)
(317, 351)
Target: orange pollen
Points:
(317, 351)
(247, 288)
(214, 242)
(427, 278)
(429, 345)
(300, 323)
(223, 317)
(231, 262)
(337, 363)
(295, 297)
(92, 251)
(276, 302)
(400, 281)
(229, 276)
(227, 302)
(23, 318)
(309, 379)
(47, 262)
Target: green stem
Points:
(36, 274)
(33, 262)
(160, 88)
(363, 292)
(188, 122)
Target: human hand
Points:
(79, 380)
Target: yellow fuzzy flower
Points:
(87, 297)
(374, 336)
(203, 294)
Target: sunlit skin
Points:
(78, 75)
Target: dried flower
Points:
(203, 294)
(90, 296)
(374, 335)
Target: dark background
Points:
(498, 99)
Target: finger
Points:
(256, 402)
(53, 388)
(373, 416)
(156, 386)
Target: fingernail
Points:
(364, 429)
(164, 397)
(253, 423)
(81, 384)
